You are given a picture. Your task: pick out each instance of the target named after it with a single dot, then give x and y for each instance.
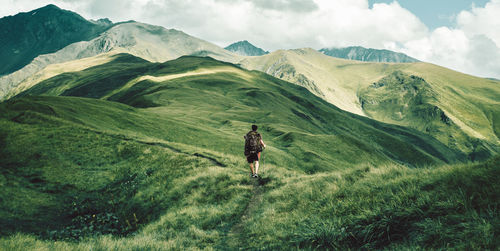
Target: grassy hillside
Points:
(76, 183)
(138, 155)
(222, 96)
(56, 69)
(470, 104)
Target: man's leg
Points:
(257, 163)
(256, 167)
(251, 169)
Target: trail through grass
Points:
(236, 238)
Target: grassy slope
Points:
(56, 69)
(470, 102)
(400, 98)
(75, 181)
(174, 173)
(382, 207)
(336, 80)
(228, 100)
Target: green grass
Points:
(410, 101)
(226, 102)
(159, 166)
(467, 104)
(75, 183)
(383, 207)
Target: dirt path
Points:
(235, 239)
(197, 72)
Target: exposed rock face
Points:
(369, 55)
(288, 73)
(25, 36)
(244, 48)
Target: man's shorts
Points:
(253, 157)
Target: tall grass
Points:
(391, 207)
(385, 206)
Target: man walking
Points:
(253, 148)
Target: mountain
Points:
(244, 48)
(25, 36)
(446, 114)
(128, 151)
(139, 83)
(369, 55)
(455, 108)
(153, 43)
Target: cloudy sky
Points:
(460, 34)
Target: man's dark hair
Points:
(254, 128)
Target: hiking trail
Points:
(235, 238)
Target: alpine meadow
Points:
(129, 136)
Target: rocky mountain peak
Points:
(245, 48)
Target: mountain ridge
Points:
(368, 55)
(153, 43)
(122, 85)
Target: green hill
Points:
(214, 93)
(386, 92)
(138, 155)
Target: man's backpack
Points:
(252, 143)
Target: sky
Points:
(463, 35)
(436, 13)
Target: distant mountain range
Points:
(25, 36)
(245, 48)
(369, 55)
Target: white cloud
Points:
(472, 47)
(443, 45)
(482, 21)
(286, 24)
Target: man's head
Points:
(254, 128)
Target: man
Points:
(253, 148)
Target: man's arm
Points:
(262, 143)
